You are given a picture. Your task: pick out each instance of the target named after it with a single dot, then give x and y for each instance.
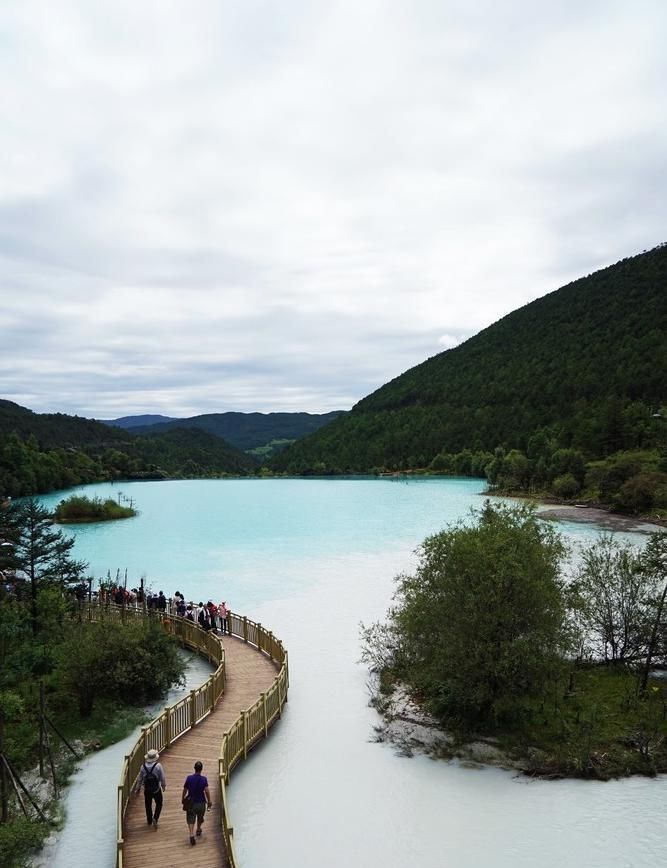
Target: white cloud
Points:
(282, 206)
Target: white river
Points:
(310, 559)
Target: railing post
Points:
(245, 734)
(168, 726)
(259, 637)
(193, 709)
(266, 725)
(272, 645)
(245, 628)
(280, 700)
(144, 730)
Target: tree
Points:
(615, 592)
(133, 662)
(481, 624)
(39, 551)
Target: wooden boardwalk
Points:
(249, 673)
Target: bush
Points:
(18, 840)
(481, 624)
(79, 508)
(565, 486)
(132, 662)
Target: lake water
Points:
(311, 559)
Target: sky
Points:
(247, 205)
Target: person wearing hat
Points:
(151, 777)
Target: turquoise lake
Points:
(310, 559)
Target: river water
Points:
(311, 559)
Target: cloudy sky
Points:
(249, 205)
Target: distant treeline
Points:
(46, 452)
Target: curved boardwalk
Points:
(249, 673)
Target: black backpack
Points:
(151, 780)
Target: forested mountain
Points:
(129, 422)
(56, 429)
(41, 452)
(582, 369)
(262, 433)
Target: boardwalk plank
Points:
(249, 673)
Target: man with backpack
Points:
(151, 777)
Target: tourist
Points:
(212, 612)
(223, 611)
(202, 617)
(161, 602)
(196, 796)
(151, 777)
(189, 613)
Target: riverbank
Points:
(612, 521)
(596, 727)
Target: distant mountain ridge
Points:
(585, 367)
(129, 422)
(41, 452)
(261, 432)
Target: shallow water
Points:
(310, 559)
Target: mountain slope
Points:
(573, 364)
(41, 452)
(249, 431)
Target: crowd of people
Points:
(209, 615)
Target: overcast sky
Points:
(249, 205)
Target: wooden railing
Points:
(251, 725)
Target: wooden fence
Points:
(251, 725)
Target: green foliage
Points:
(480, 625)
(79, 508)
(37, 550)
(573, 377)
(593, 723)
(614, 596)
(44, 452)
(484, 633)
(18, 840)
(133, 663)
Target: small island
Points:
(81, 509)
(496, 651)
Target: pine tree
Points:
(42, 553)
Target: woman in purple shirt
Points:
(196, 796)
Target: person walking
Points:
(196, 797)
(154, 782)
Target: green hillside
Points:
(582, 369)
(261, 433)
(42, 452)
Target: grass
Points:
(593, 725)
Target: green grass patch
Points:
(595, 724)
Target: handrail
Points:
(251, 725)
